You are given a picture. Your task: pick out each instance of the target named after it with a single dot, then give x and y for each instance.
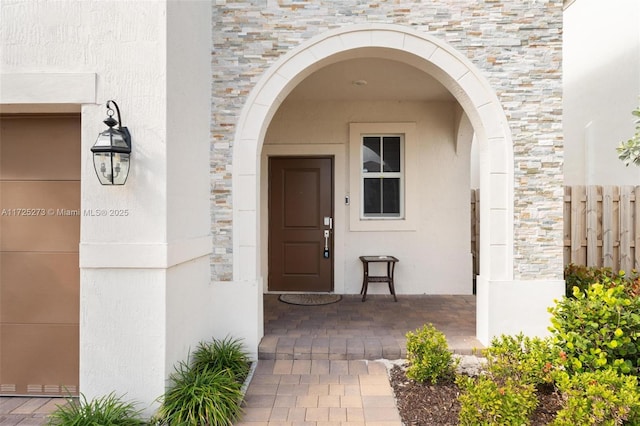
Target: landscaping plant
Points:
(629, 151)
(592, 359)
(601, 397)
(487, 402)
(107, 410)
(525, 359)
(428, 355)
(206, 391)
(200, 397)
(598, 328)
(222, 354)
(505, 394)
(583, 276)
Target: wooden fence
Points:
(475, 230)
(601, 226)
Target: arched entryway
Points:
(401, 44)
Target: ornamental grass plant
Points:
(225, 354)
(207, 389)
(200, 397)
(107, 410)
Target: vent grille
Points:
(7, 388)
(34, 388)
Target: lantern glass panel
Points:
(102, 164)
(120, 162)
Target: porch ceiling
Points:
(379, 80)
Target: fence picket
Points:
(625, 228)
(607, 226)
(578, 255)
(592, 225)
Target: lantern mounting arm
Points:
(109, 110)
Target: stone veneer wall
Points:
(516, 44)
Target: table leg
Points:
(391, 266)
(365, 280)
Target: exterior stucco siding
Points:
(517, 45)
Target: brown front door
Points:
(300, 214)
(39, 237)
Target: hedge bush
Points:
(525, 359)
(487, 402)
(583, 276)
(598, 328)
(598, 398)
(429, 355)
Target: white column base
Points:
(512, 307)
(123, 334)
(238, 312)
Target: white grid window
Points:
(382, 176)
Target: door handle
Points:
(325, 253)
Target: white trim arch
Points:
(399, 43)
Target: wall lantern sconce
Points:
(112, 150)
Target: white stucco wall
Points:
(145, 273)
(601, 70)
(435, 257)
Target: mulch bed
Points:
(423, 404)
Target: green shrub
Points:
(583, 276)
(200, 397)
(524, 359)
(106, 410)
(485, 402)
(428, 355)
(220, 355)
(598, 398)
(629, 151)
(598, 329)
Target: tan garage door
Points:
(39, 238)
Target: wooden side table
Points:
(391, 265)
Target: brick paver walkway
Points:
(320, 392)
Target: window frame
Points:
(409, 192)
(382, 175)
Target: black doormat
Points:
(310, 299)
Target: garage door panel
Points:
(39, 269)
(39, 288)
(40, 216)
(39, 359)
(40, 148)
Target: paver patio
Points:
(374, 329)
